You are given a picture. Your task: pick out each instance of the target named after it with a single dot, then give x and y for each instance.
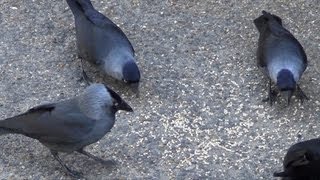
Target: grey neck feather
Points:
(115, 61)
(276, 65)
(95, 100)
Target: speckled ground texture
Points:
(200, 114)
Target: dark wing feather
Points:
(51, 123)
(101, 21)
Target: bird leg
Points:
(301, 95)
(271, 96)
(84, 75)
(67, 170)
(104, 162)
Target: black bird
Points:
(302, 161)
(102, 42)
(70, 125)
(281, 56)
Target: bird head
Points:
(117, 102)
(286, 83)
(297, 158)
(131, 75)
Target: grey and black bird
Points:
(302, 161)
(70, 125)
(281, 57)
(102, 42)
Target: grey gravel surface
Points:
(200, 113)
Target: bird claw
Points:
(301, 95)
(107, 163)
(75, 174)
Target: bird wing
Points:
(260, 55)
(279, 43)
(51, 123)
(101, 21)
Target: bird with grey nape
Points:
(70, 125)
(102, 42)
(302, 161)
(281, 57)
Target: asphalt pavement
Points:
(200, 113)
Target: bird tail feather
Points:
(4, 131)
(264, 20)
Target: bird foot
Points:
(271, 98)
(66, 169)
(75, 174)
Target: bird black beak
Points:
(287, 94)
(135, 88)
(124, 106)
(118, 102)
(299, 158)
(280, 174)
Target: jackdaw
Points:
(302, 161)
(281, 56)
(102, 42)
(70, 125)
